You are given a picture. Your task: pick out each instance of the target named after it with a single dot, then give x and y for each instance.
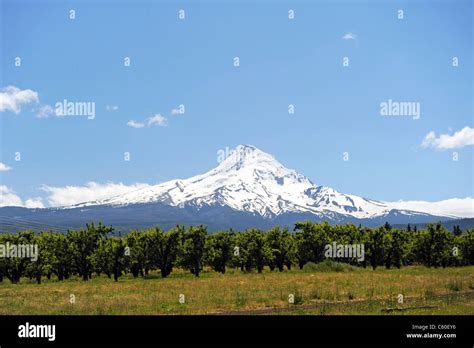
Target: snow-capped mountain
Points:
(252, 181)
(249, 188)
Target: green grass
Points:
(359, 291)
(457, 285)
(329, 266)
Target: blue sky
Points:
(282, 62)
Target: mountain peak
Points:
(244, 156)
(245, 147)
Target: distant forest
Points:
(463, 224)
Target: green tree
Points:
(467, 247)
(375, 245)
(163, 248)
(311, 240)
(218, 250)
(139, 252)
(192, 249)
(57, 257)
(457, 230)
(434, 246)
(109, 257)
(35, 269)
(346, 234)
(282, 248)
(117, 256)
(82, 244)
(100, 258)
(253, 252)
(13, 268)
(399, 247)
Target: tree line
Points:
(96, 250)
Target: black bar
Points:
(242, 330)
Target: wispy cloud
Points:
(464, 137)
(12, 98)
(460, 207)
(4, 167)
(92, 191)
(157, 120)
(135, 124)
(67, 195)
(9, 198)
(349, 36)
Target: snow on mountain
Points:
(253, 181)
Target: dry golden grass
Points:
(236, 291)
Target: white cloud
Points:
(11, 98)
(464, 137)
(92, 191)
(459, 139)
(460, 207)
(33, 203)
(175, 111)
(111, 107)
(8, 198)
(135, 124)
(158, 120)
(67, 195)
(349, 36)
(4, 167)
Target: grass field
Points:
(359, 291)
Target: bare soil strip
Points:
(320, 305)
